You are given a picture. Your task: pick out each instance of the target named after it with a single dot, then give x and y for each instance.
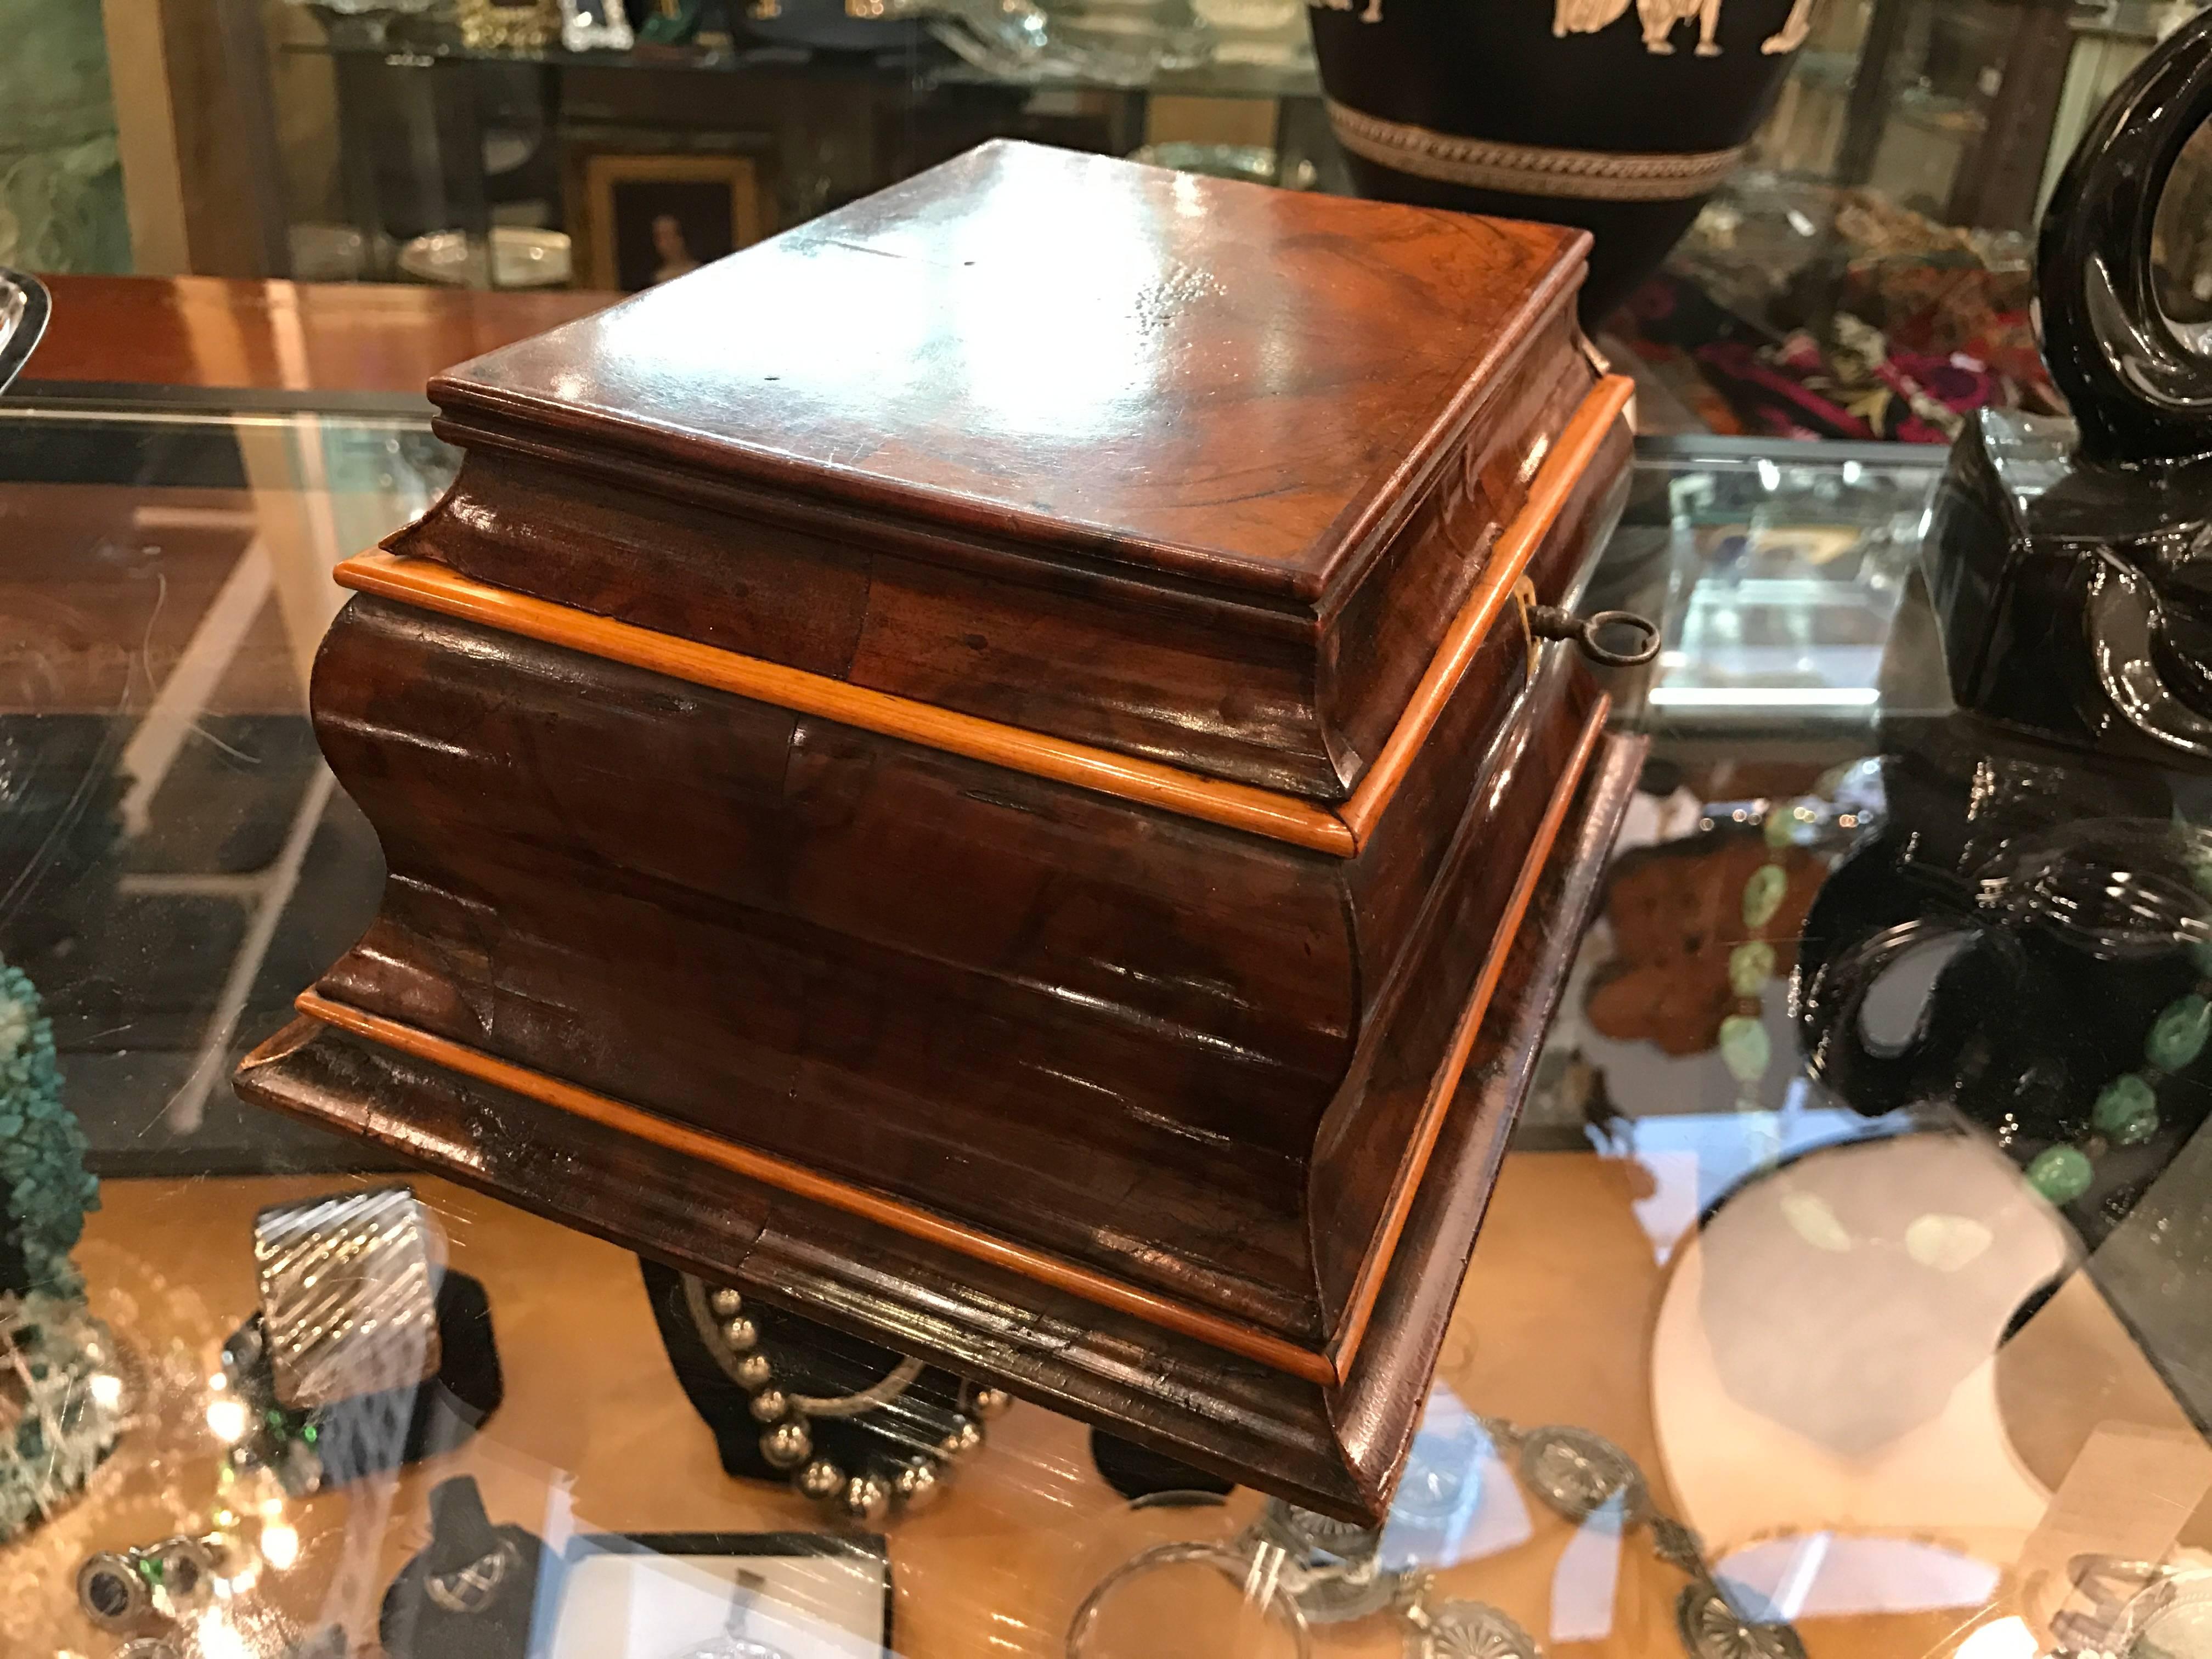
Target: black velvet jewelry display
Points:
(374, 1432)
(809, 1359)
(463, 1542)
(1136, 1473)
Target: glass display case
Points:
(1866, 272)
(1789, 1330)
(813, 107)
(1863, 274)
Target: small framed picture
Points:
(643, 219)
(594, 26)
(658, 1595)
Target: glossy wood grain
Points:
(435, 587)
(1198, 473)
(1173, 1204)
(1335, 1449)
(1570, 463)
(281, 336)
(1380, 1404)
(1359, 1304)
(998, 995)
(628, 1121)
(914, 970)
(1243, 384)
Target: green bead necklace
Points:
(2126, 1110)
(2125, 1113)
(1746, 1049)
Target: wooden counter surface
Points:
(281, 335)
(1554, 1326)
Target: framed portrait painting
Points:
(644, 220)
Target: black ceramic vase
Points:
(1620, 117)
(2070, 562)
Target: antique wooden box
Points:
(982, 768)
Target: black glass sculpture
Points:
(2066, 901)
(2071, 561)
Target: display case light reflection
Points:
(1766, 696)
(227, 1419)
(280, 1545)
(218, 1638)
(2007, 1638)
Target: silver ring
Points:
(469, 1590)
(111, 1591)
(1234, 1565)
(184, 1573)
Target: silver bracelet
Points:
(1310, 1569)
(1317, 1571)
(1576, 1475)
(1258, 1570)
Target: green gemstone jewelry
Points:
(1746, 1049)
(2125, 1113)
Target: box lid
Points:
(1094, 449)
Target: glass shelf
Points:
(922, 62)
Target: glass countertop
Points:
(1759, 1354)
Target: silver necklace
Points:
(1304, 1569)
(733, 1643)
(1578, 1475)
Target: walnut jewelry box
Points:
(983, 769)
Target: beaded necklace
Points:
(2126, 1109)
(1746, 1049)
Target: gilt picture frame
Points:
(640, 220)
